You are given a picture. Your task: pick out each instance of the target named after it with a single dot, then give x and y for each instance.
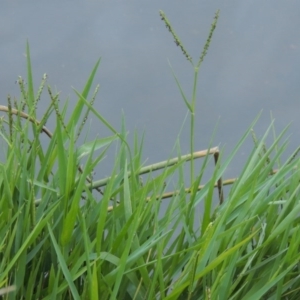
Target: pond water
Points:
(252, 65)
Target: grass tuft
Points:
(148, 233)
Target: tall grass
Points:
(65, 235)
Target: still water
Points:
(252, 65)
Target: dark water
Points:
(253, 64)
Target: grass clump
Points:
(65, 235)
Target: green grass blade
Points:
(64, 266)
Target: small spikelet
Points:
(87, 113)
(10, 118)
(176, 38)
(56, 109)
(206, 46)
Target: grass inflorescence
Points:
(143, 236)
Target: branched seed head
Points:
(56, 109)
(294, 155)
(206, 46)
(87, 112)
(41, 88)
(176, 38)
(10, 118)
